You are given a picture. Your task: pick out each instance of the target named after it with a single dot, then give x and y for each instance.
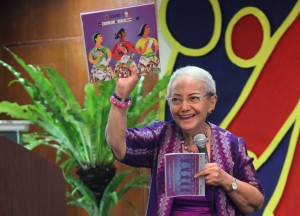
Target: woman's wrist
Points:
(120, 90)
(118, 104)
(227, 186)
(120, 98)
(119, 101)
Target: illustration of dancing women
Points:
(149, 62)
(124, 52)
(100, 57)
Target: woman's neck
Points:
(189, 137)
(98, 45)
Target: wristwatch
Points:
(234, 186)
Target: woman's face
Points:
(190, 105)
(123, 34)
(99, 38)
(147, 29)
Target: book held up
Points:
(116, 38)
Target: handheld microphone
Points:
(200, 140)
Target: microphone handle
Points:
(204, 150)
(206, 156)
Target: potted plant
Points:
(77, 133)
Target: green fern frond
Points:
(18, 111)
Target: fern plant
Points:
(78, 132)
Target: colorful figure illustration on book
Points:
(124, 52)
(149, 62)
(100, 57)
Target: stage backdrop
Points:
(252, 49)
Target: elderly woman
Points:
(232, 186)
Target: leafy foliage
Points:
(76, 131)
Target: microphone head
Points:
(200, 140)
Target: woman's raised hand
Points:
(126, 85)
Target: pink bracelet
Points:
(122, 105)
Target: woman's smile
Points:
(187, 117)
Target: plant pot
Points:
(97, 178)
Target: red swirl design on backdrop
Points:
(272, 99)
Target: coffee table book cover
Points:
(116, 38)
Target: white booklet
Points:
(180, 169)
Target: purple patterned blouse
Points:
(146, 147)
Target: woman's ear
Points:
(212, 103)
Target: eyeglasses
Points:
(194, 99)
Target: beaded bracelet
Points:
(122, 105)
(120, 99)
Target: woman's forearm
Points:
(117, 119)
(247, 198)
(116, 131)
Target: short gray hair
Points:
(196, 73)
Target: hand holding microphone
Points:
(200, 140)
